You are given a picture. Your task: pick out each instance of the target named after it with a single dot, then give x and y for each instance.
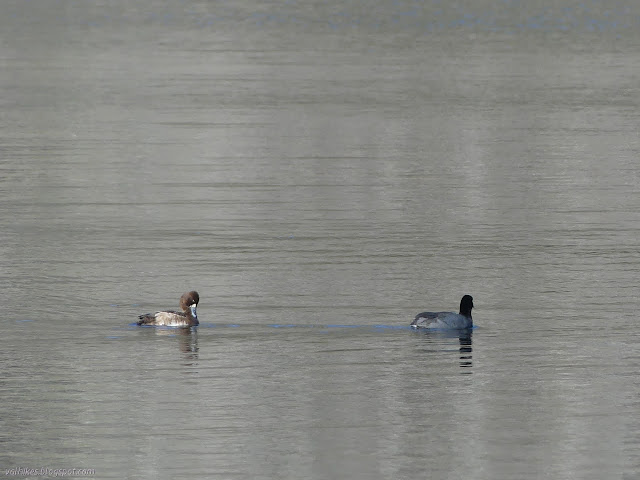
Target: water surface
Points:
(320, 173)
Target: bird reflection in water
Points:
(187, 340)
(464, 337)
(466, 349)
(189, 343)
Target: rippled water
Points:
(320, 173)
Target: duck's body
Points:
(447, 320)
(187, 318)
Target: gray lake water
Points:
(320, 172)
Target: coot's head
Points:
(466, 304)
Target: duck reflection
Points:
(187, 340)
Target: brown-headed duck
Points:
(186, 318)
(447, 319)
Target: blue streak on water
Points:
(325, 328)
(392, 327)
(161, 327)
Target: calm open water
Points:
(320, 172)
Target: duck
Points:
(187, 318)
(447, 320)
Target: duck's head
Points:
(189, 302)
